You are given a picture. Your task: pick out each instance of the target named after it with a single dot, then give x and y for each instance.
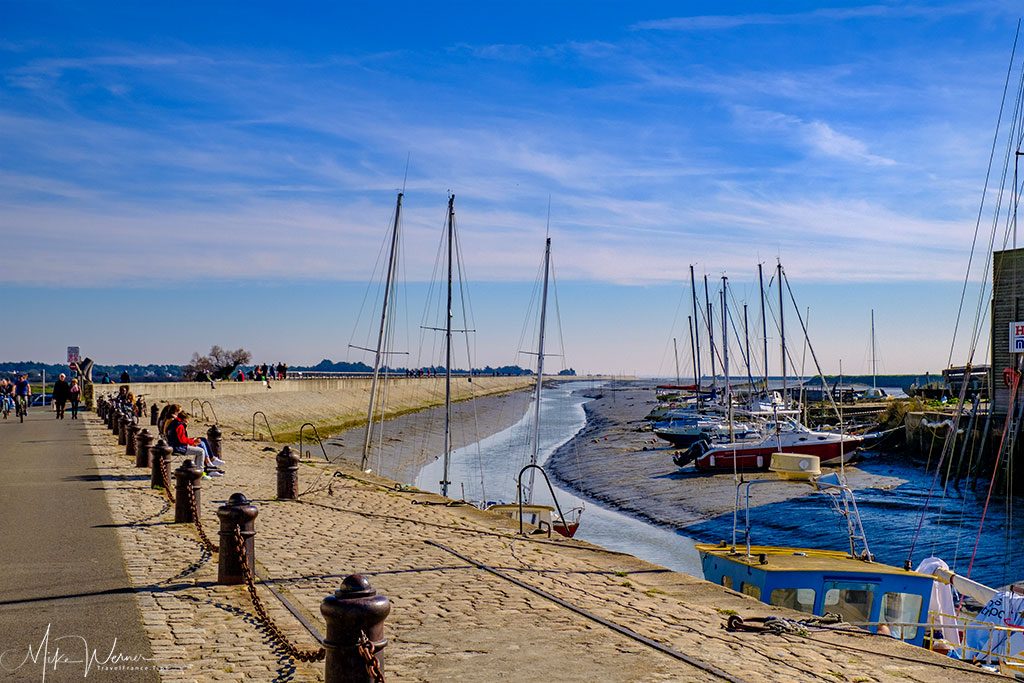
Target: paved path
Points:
(61, 567)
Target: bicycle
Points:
(21, 407)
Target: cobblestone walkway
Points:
(450, 619)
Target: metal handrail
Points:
(212, 411)
(519, 497)
(265, 421)
(317, 435)
(192, 408)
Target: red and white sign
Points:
(74, 355)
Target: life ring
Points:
(1010, 376)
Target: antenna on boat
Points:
(408, 156)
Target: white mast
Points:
(381, 343)
(540, 368)
(874, 371)
(675, 352)
(725, 359)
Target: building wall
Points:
(1007, 307)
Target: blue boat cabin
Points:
(866, 594)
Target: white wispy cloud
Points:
(718, 22)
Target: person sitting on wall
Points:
(197, 449)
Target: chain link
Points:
(250, 583)
(365, 648)
(167, 479)
(210, 547)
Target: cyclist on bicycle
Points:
(22, 394)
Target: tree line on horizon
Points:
(167, 372)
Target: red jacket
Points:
(182, 435)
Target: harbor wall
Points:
(332, 405)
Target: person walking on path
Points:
(74, 395)
(61, 394)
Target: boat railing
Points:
(998, 650)
(551, 489)
(998, 641)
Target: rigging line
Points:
(470, 323)
(747, 358)
(995, 469)
(789, 350)
(947, 448)
(981, 208)
(814, 357)
(982, 298)
(408, 157)
(558, 312)
(369, 288)
(671, 331)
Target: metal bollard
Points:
(214, 437)
(186, 477)
(153, 415)
(142, 443)
(160, 452)
(101, 407)
(115, 423)
(129, 438)
(122, 430)
(353, 610)
(237, 512)
(287, 474)
(111, 414)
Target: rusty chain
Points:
(210, 547)
(167, 479)
(250, 583)
(365, 649)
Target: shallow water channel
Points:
(488, 469)
(891, 517)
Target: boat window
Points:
(900, 608)
(800, 599)
(751, 589)
(851, 600)
(727, 581)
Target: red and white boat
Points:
(788, 437)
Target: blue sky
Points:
(236, 165)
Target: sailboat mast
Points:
(693, 352)
(540, 367)
(725, 356)
(389, 285)
(874, 371)
(782, 334)
(675, 352)
(448, 354)
(711, 338)
(695, 336)
(746, 344)
(764, 325)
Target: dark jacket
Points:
(61, 391)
